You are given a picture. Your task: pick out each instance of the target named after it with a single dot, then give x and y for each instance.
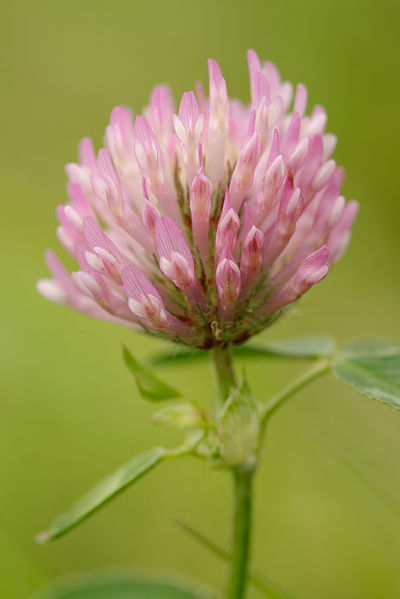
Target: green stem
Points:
(242, 478)
(315, 372)
(241, 534)
(224, 371)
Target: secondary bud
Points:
(239, 428)
(183, 416)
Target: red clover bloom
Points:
(203, 226)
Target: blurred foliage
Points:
(119, 586)
(70, 413)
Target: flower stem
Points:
(242, 484)
(237, 582)
(224, 371)
(242, 475)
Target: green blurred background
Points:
(327, 513)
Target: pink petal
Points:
(300, 101)
(86, 153)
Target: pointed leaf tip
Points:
(149, 385)
(103, 492)
(43, 537)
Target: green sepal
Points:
(150, 386)
(239, 427)
(183, 416)
(371, 367)
(103, 492)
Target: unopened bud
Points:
(227, 277)
(178, 270)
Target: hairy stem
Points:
(242, 476)
(224, 371)
(242, 483)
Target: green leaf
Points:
(105, 490)
(182, 354)
(371, 367)
(301, 347)
(150, 386)
(120, 586)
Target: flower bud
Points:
(200, 207)
(183, 416)
(227, 277)
(239, 428)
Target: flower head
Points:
(203, 224)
